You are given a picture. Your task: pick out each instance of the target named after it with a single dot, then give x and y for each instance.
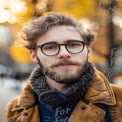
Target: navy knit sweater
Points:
(49, 113)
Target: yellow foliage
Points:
(97, 59)
(76, 8)
(20, 54)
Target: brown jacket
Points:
(23, 109)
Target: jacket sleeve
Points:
(8, 109)
(118, 92)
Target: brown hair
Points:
(41, 25)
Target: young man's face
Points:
(63, 67)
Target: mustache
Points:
(66, 61)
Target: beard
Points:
(67, 76)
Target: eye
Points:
(50, 47)
(74, 44)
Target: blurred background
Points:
(101, 16)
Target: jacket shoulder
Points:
(117, 91)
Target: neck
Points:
(54, 85)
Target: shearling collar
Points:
(100, 91)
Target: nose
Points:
(63, 53)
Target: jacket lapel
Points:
(100, 91)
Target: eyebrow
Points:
(51, 42)
(54, 42)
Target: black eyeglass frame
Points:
(41, 46)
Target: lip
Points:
(65, 65)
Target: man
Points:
(65, 87)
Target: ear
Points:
(33, 56)
(89, 47)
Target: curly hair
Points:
(41, 25)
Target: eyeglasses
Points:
(52, 48)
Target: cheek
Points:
(46, 61)
(83, 55)
(41, 58)
(49, 61)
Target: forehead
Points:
(60, 34)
